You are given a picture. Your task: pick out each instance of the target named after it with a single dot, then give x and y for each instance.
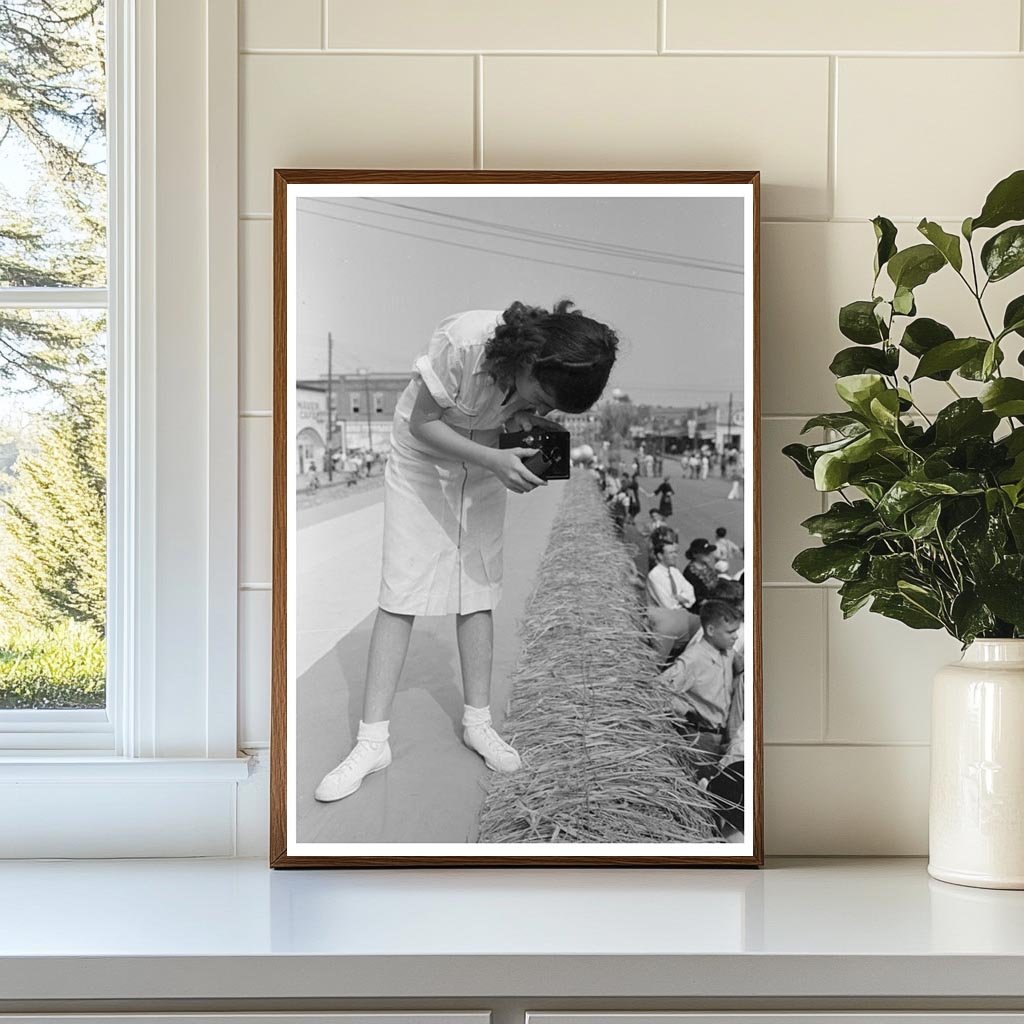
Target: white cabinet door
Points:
(790, 1017)
(359, 1017)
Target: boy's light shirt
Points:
(702, 678)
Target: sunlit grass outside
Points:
(63, 666)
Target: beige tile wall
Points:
(907, 110)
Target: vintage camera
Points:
(550, 439)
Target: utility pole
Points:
(369, 422)
(728, 429)
(330, 404)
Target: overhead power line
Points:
(550, 238)
(529, 259)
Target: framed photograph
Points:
(516, 586)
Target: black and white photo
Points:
(516, 567)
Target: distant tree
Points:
(53, 234)
(614, 420)
(53, 123)
(53, 521)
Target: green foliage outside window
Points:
(52, 365)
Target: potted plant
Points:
(927, 521)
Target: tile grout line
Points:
(258, 51)
(478, 111)
(846, 744)
(825, 651)
(831, 170)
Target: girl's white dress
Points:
(444, 520)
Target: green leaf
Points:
(885, 236)
(885, 409)
(965, 228)
(906, 494)
(1005, 202)
(857, 321)
(842, 521)
(1005, 596)
(872, 491)
(949, 355)
(947, 244)
(991, 360)
(964, 482)
(885, 571)
(912, 267)
(817, 450)
(833, 420)
(923, 335)
(1013, 317)
(1015, 519)
(854, 594)
(840, 561)
(925, 518)
(799, 455)
(1003, 254)
(858, 389)
(850, 361)
(866, 445)
(970, 617)
(1004, 397)
(900, 609)
(1014, 441)
(878, 471)
(903, 302)
(831, 471)
(974, 368)
(966, 417)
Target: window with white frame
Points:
(354, 403)
(53, 363)
(378, 401)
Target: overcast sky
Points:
(379, 276)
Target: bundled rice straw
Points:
(601, 763)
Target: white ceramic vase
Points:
(976, 816)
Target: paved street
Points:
(434, 788)
(699, 506)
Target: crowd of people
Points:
(695, 616)
(350, 467)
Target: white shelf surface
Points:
(233, 929)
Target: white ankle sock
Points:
(376, 732)
(475, 716)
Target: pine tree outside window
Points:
(53, 362)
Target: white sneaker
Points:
(367, 757)
(498, 755)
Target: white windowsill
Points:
(76, 766)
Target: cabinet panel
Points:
(360, 1017)
(775, 1018)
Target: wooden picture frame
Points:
(385, 240)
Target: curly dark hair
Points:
(570, 355)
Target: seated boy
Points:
(730, 591)
(706, 683)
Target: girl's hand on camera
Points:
(507, 466)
